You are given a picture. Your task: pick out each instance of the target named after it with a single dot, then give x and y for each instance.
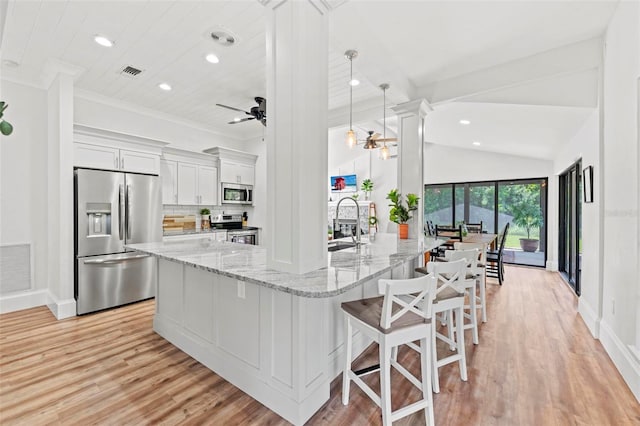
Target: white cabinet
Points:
(169, 175)
(108, 158)
(197, 184)
(233, 172)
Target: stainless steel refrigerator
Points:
(113, 209)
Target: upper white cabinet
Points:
(108, 150)
(169, 175)
(235, 166)
(189, 178)
(232, 172)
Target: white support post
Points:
(411, 117)
(297, 134)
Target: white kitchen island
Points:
(275, 335)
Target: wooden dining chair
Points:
(450, 235)
(495, 266)
(475, 228)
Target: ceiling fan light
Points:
(351, 138)
(370, 144)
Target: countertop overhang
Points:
(345, 269)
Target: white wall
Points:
(620, 168)
(258, 214)
(23, 183)
(106, 114)
(585, 145)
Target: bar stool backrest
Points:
(418, 298)
(449, 274)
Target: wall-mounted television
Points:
(344, 183)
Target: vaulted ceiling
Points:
(521, 71)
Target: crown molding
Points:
(111, 135)
(53, 67)
(232, 154)
(419, 107)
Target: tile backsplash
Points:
(171, 209)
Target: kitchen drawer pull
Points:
(116, 260)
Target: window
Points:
(521, 202)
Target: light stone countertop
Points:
(345, 269)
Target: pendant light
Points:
(351, 135)
(384, 151)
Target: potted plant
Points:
(205, 221)
(5, 127)
(527, 215)
(400, 213)
(367, 187)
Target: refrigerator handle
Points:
(128, 211)
(121, 211)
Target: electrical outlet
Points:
(241, 294)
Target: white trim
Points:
(55, 66)
(552, 265)
(232, 154)
(622, 357)
(102, 134)
(24, 300)
(61, 309)
(590, 317)
(175, 154)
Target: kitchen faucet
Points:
(356, 240)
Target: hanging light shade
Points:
(384, 152)
(351, 135)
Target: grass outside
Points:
(514, 235)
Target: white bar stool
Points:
(481, 272)
(449, 299)
(392, 321)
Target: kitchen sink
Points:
(340, 245)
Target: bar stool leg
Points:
(425, 357)
(483, 297)
(450, 331)
(473, 304)
(345, 373)
(435, 380)
(385, 382)
(460, 343)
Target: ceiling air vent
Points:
(130, 71)
(223, 38)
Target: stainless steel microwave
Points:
(233, 193)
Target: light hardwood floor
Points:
(536, 364)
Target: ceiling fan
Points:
(371, 142)
(258, 112)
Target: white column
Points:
(297, 134)
(637, 347)
(411, 117)
(59, 215)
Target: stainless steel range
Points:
(236, 233)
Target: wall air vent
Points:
(129, 71)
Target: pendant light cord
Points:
(351, 95)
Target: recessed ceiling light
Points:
(354, 82)
(476, 143)
(236, 119)
(164, 86)
(465, 122)
(212, 58)
(103, 41)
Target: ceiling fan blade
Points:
(375, 136)
(232, 108)
(240, 121)
(387, 140)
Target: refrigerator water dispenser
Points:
(99, 219)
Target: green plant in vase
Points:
(367, 187)
(400, 213)
(205, 221)
(5, 127)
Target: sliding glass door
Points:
(522, 203)
(570, 229)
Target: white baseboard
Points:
(23, 300)
(625, 361)
(552, 265)
(61, 309)
(590, 317)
